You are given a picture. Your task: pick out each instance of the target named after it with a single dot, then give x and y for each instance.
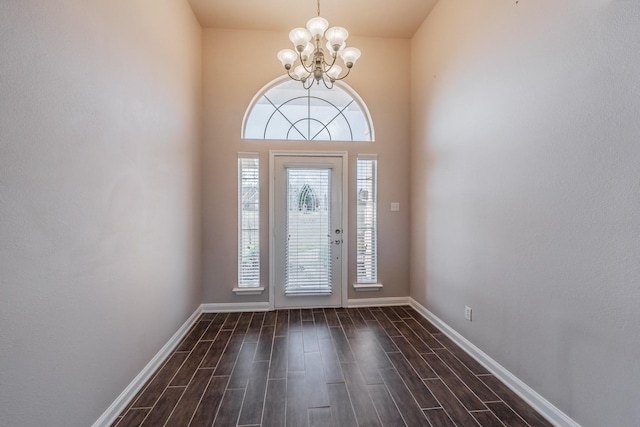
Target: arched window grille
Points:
(284, 110)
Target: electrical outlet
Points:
(467, 312)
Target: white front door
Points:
(308, 231)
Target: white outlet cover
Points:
(395, 207)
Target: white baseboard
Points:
(121, 402)
(539, 403)
(378, 302)
(236, 306)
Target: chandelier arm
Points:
(343, 77)
(304, 83)
(332, 62)
(292, 77)
(326, 85)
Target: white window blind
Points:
(367, 246)
(308, 248)
(248, 220)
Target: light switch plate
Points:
(395, 207)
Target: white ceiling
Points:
(373, 18)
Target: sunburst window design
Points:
(287, 111)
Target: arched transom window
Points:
(284, 110)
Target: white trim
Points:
(121, 402)
(248, 290)
(529, 395)
(345, 215)
(367, 287)
(235, 307)
(378, 302)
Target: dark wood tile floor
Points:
(384, 366)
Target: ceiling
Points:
(372, 18)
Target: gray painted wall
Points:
(526, 192)
(99, 199)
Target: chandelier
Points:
(314, 62)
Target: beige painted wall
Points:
(237, 64)
(525, 192)
(99, 199)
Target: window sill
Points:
(249, 290)
(367, 287)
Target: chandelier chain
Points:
(318, 7)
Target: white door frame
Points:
(345, 214)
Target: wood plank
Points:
(296, 407)
(438, 417)
(369, 356)
(343, 350)
(322, 327)
(243, 323)
(316, 386)
(341, 408)
(306, 315)
(163, 408)
(361, 401)
(231, 321)
(192, 363)
(278, 368)
(214, 354)
(474, 383)
(152, 392)
(403, 398)
(270, 318)
(330, 363)
(190, 400)
(423, 322)
(332, 317)
(525, 411)
(386, 324)
(229, 408)
(219, 319)
(132, 418)
(211, 332)
(263, 352)
(320, 417)
(401, 312)
(365, 313)
(390, 313)
(252, 407)
(357, 319)
(423, 334)
(274, 404)
(295, 352)
(208, 407)
(253, 331)
(243, 365)
(384, 340)
(462, 355)
(229, 356)
(487, 419)
(506, 414)
(193, 336)
(282, 323)
(309, 337)
(450, 403)
(295, 321)
(385, 406)
(415, 360)
(349, 328)
(420, 392)
(459, 388)
(412, 337)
